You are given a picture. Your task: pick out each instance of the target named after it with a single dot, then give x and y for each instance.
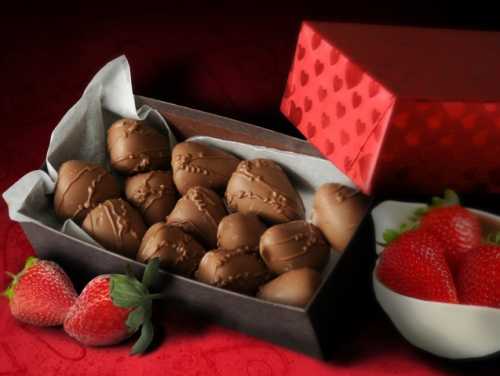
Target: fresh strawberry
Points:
(111, 308)
(456, 227)
(41, 294)
(414, 265)
(478, 278)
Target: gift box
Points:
(312, 330)
(400, 109)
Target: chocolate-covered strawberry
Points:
(293, 245)
(80, 187)
(295, 287)
(195, 164)
(260, 186)
(134, 147)
(239, 270)
(41, 294)
(153, 193)
(113, 307)
(198, 213)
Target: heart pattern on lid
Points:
(337, 100)
(361, 126)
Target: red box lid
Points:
(400, 108)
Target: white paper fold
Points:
(451, 331)
(81, 134)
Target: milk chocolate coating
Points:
(196, 164)
(239, 270)
(178, 252)
(198, 213)
(239, 230)
(260, 186)
(293, 245)
(338, 211)
(153, 193)
(295, 287)
(80, 187)
(116, 226)
(135, 147)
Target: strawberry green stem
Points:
(128, 292)
(9, 292)
(154, 296)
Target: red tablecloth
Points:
(233, 67)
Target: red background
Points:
(232, 63)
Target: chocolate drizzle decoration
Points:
(153, 193)
(136, 147)
(196, 164)
(116, 225)
(293, 245)
(260, 186)
(80, 187)
(178, 252)
(199, 212)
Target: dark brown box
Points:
(312, 330)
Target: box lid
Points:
(399, 108)
(422, 63)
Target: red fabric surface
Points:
(230, 66)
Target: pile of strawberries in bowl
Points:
(438, 275)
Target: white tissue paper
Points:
(81, 134)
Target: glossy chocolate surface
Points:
(136, 147)
(295, 287)
(239, 270)
(294, 245)
(338, 211)
(153, 193)
(239, 230)
(198, 213)
(195, 164)
(178, 251)
(80, 187)
(261, 186)
(117, 226)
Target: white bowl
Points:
(452, 331)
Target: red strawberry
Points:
(456, 227)
(41, 294)
(414, 265)
(478, 277)
(111, 308)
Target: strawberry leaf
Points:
(418, 214)
(126, 292)
(493, 238)
(392, 234)
(135, 319)
(450, 198)
(144, 340)
(30, 261)
(9, 292)
(151, 272)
